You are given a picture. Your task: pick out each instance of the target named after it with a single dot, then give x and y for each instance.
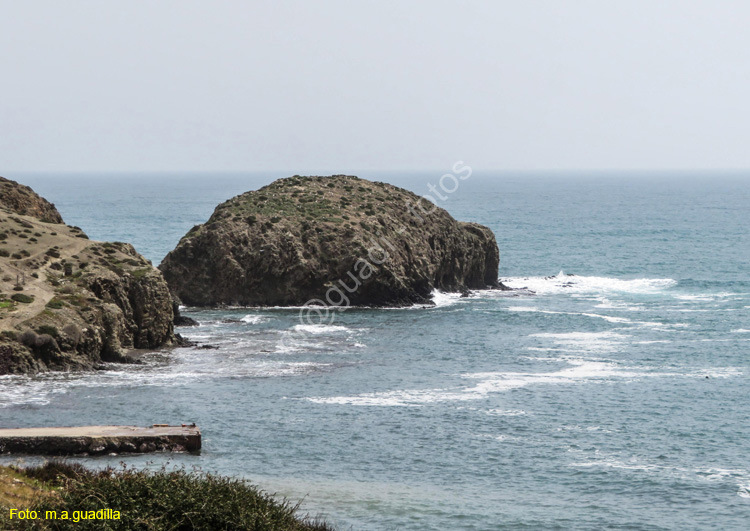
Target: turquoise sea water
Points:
(615, 397)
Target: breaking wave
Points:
(567, 283)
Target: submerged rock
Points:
(75, 302)
(338, 240)
(181, 320)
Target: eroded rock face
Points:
(23, 200)
(304, 238)
(67, 302)
(142, 316)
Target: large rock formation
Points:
(23, 200)
(339, 239)
(69, 302)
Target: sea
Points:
(610, 391)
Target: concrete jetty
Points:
(99, 440)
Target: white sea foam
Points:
(615, 463)
(577, 428)
(443, 299)
(574, 284)
(579, 371)
(319, 329)
(487, 383)
(506, 412)
(586, 341)
(694, 298)
(186, 366)
(607, 304)
(741, 331)
(612, 319)
(634, 322)
(288, 345)
(254, 319)
(706, 297)
(608, 318)
(504, 437)
(739, 477)
(717, 372)
(301, 338)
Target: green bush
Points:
(49, 330)
(141, 273)
(22, 297)
(29, 338)
(9, 334)
(55, 304)
(4, 253)
(162, 500)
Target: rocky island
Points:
(67, 302)
(328, 238)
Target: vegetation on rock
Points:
(101, 299)
(299, 238)
(22, 200)
(159, 501)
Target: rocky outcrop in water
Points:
(67, 302)
(330, 239)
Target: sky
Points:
(339, 86)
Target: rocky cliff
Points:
(329, 238)
(23, 200)
(69, 302)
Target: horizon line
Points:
(318, 173)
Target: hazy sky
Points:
(323, 86)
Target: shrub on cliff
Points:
(161, 500)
